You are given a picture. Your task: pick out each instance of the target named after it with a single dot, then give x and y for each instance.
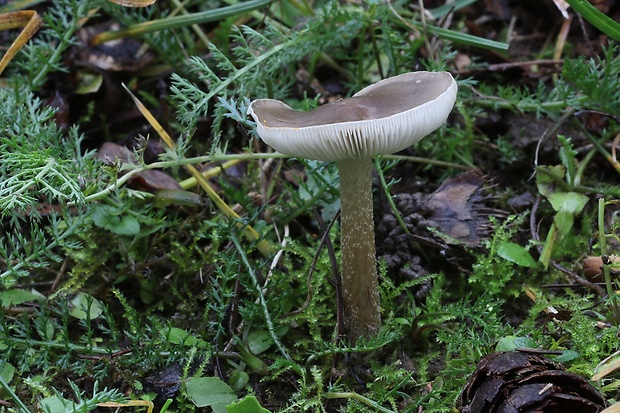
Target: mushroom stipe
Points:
(383, 118)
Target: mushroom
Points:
(383, 118)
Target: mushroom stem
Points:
(360, 287)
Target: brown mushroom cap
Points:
(382, 118)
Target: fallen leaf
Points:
(150, 180)
(457, 209)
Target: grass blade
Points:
(596, 18)
(250, 233)
(19, 5)
(181, 21)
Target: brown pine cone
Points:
(521, 382)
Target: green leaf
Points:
(17, 296)
(252, 360)
(179, 336)
(56, 403)
(109, 218)
(7, 371)
(563, 221)
(260, 340)
(569, 202)
(238, 380)
(210, 391)
(516, 253)
(88, 83)
(104, 216)
(566, 204)
(567, 355)
(567, 155)
(545, 183)
(510, 343)
(85, 306)
(127, 226)
(248, 404)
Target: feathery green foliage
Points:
(38, 163)
(36, 156)
(44, 54)
(259, 64)
(593, 83)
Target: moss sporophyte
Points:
(382, 118)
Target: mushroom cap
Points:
(383, 118)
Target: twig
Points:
(324, 240)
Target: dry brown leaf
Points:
(457, 209)
(607, 368)
(29, 20)
(149, 180)
(593, 266)
(614, 408)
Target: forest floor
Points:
(157, 255)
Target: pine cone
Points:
(459, 210)
(520, 382)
